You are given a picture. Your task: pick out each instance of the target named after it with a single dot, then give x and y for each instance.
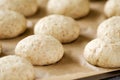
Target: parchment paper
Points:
(72, 65)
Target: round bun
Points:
(63, 28)
(40, 49)
(72, 8)
(25, 7)
(109, 30)
(112, 8)
(12, 24)
(105, 50)
(16, 68)
(100, 53)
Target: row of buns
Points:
(45, 46)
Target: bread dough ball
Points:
(12, 24)
(72, 8)
(109, 30)
(65, 29)
(112, 8)
(25, 7)
(100, 53)
(42, 3)
(40, 49)
(105, 50)
(16, 68)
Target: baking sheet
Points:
(72, 65)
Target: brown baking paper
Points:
(72, 65)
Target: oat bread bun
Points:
(112, 8)
(16, 68)
(63, 28)
(40, 49)
(12, 24)
(72, 8)
(105, 50)
(109, 29)
(42, 3)
(100, 53)
(25, 7)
